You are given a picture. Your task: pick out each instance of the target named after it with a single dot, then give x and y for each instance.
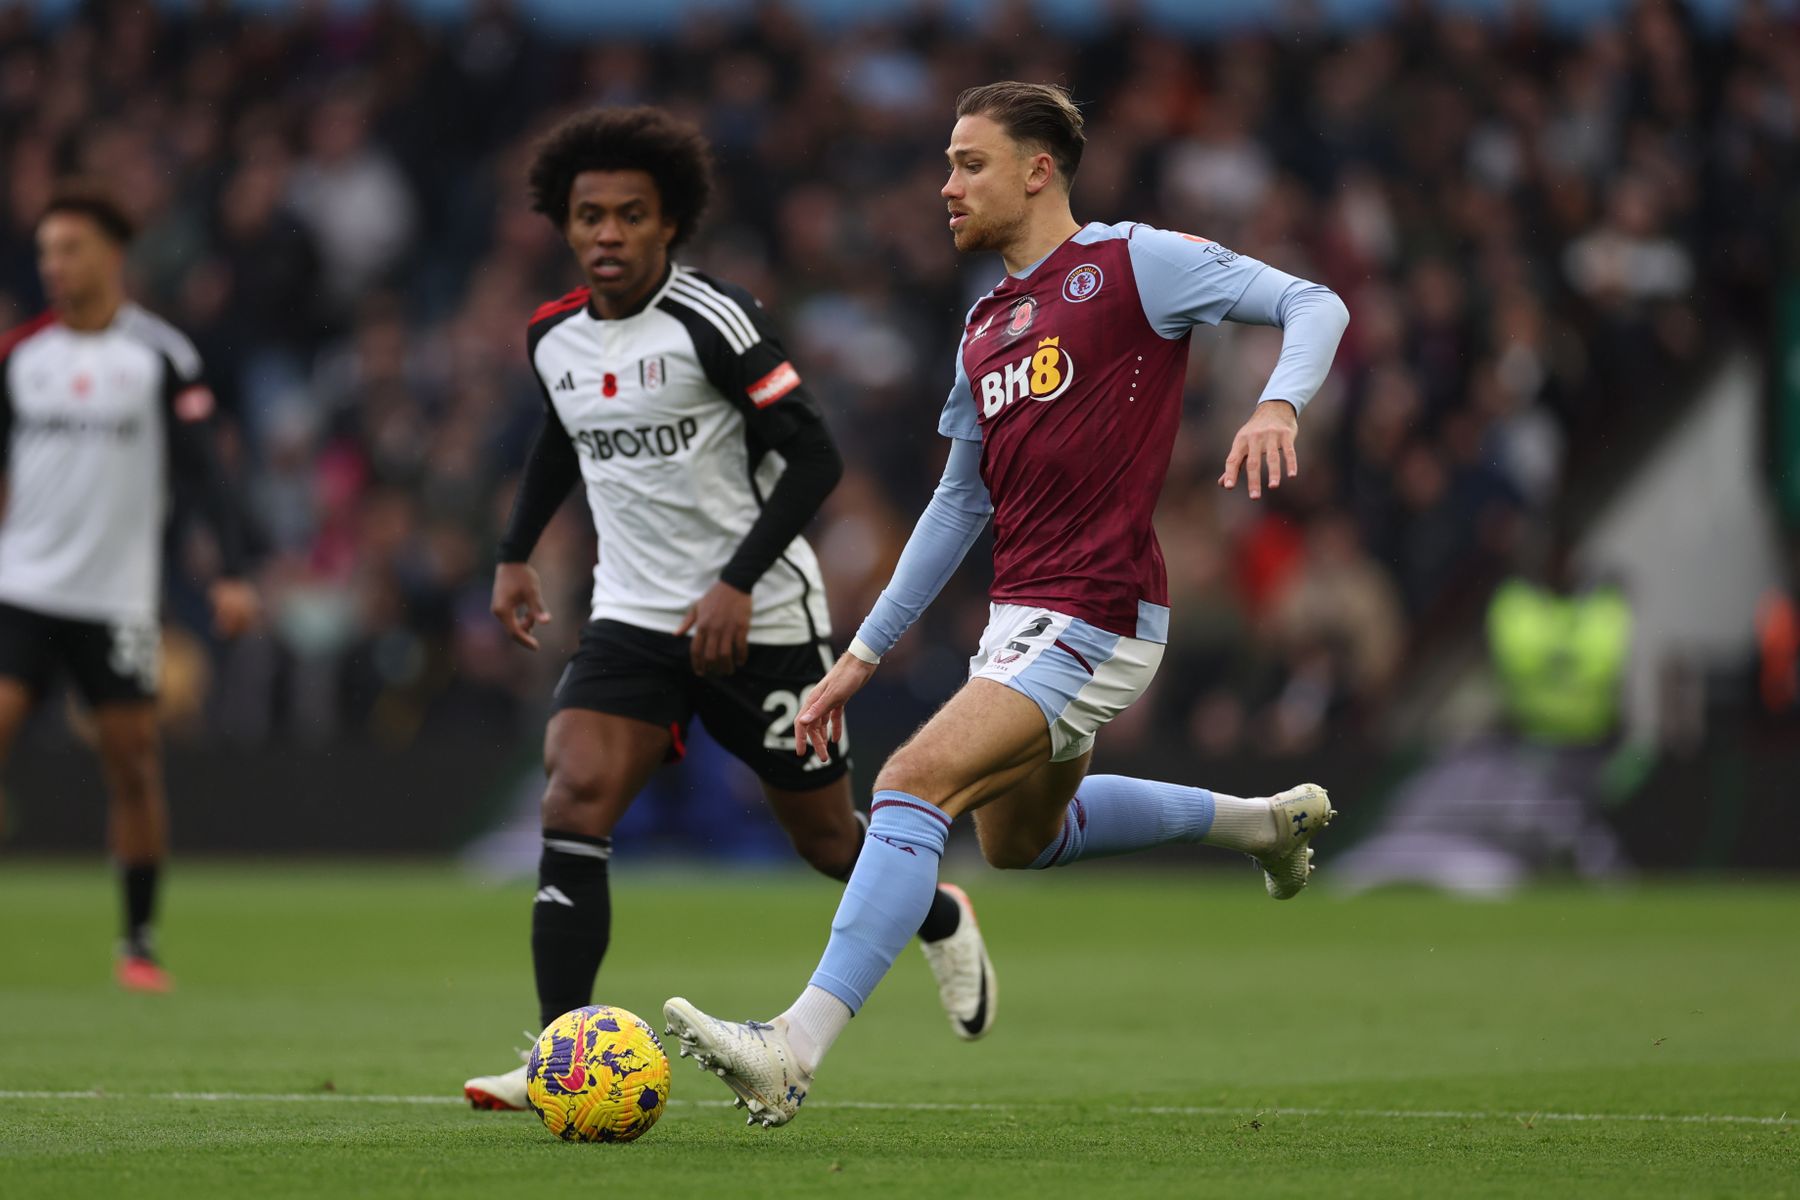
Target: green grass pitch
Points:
(1158, 1036)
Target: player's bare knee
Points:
(576, 790)
(821, 824)
(1006, 842)
(1006, 857)
(829, 840)
(831, 855)
(908, 771)
(1007, 851)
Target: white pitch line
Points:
(1148, 1110)
(236, 1097)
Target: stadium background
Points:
(1568, 235)
(1570, 243)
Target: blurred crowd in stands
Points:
(1538, 233)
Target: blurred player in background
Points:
(668, 395)
(103, 413)
(1062, 419)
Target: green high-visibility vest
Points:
(1560, 659)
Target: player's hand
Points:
(1268, 436)
(519, 602)
(720, 621)
(821, 720)
(235, 607)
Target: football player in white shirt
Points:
(703, 456)
(104, 413)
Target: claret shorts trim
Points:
(1080, 676)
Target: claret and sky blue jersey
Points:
(1064, 410)
(1071, 376)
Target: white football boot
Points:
(752, 1058)
(965, 975)
(500, 1093)
(1300, 812)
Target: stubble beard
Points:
(978, 236)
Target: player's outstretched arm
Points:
(949, 525)
(1312, 321)
(957, 514)
(1184, 281)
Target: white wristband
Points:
(861, 650)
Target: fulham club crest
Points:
(1082, 283)
(652, 374)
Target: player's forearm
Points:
(228, 531)
(1312, 321)
(813, 469)
(200, 472)
(550, 471)
(958, 511)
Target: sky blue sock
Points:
(886, 898)
(1112, 814)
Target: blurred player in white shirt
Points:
(104, 414)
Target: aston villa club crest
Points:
(1083, 282)
(652, 374)
(1023, 314)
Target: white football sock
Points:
(813, 1024)
(1242, 824)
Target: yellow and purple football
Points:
(598, 1074)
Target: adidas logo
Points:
(553, 895)
(566, 384)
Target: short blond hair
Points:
(1036, 114)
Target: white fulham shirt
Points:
(85, 421)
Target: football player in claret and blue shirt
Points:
(1062, 419)
(667, 395)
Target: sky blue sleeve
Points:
(958, 420)
(1312, 320)
(947, 528)
(1184, 281)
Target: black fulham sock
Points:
(571, 921)
(941, 919)
(138, 882)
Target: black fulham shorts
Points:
(626, 671)
(110, 662)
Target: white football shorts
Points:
(1080, 676)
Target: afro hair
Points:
(672, 152)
